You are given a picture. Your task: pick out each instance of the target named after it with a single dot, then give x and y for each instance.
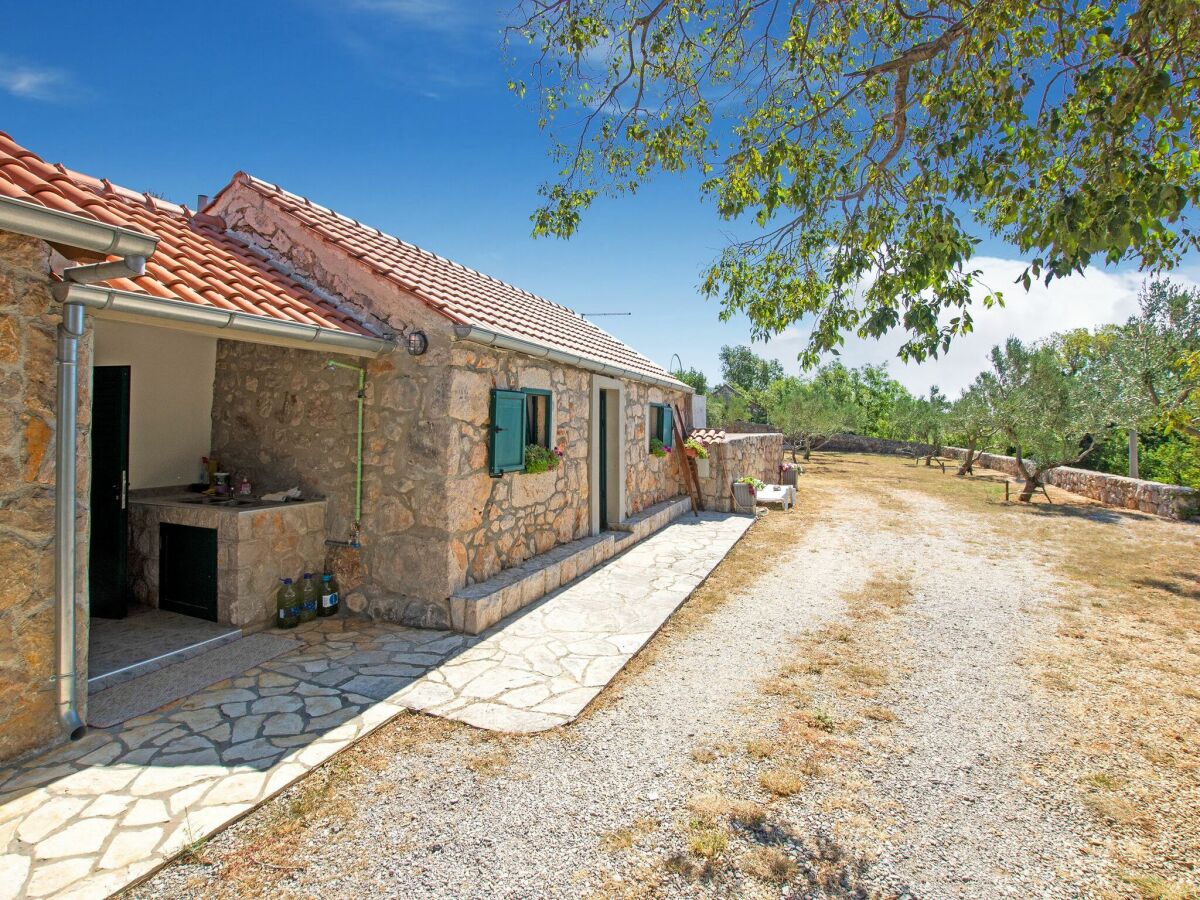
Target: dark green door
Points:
(187, 570)
(110, 474)
(602, 461)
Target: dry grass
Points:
(704, 755)
(489, 764)
(769, 864)
(781, 782)
(625, 838)
(1124, 664)
(761, 748)
(708, 841)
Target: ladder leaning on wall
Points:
(690, 476)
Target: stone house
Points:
(400, 392)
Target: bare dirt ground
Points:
(903, 688)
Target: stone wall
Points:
(1167, 500)
(28, 321)
(433, 517)
(255, 549)
(739, 455)
(741, 427)
(649, 479)
(857, 443)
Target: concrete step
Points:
(477, 607)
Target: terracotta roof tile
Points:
(195, 262)
(708, 436)
(462, 295)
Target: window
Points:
(518, 418)
(506, 443)
(539, 424)
(661, 424)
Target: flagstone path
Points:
(88, 818)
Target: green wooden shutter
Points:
(668, 425)
(507, 434)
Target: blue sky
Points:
(396, 112)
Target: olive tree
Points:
(863, 147)
(972, 419)
(923, 419)
(1153, 361)
(1051, 413)
(808, 414)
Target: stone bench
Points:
(479, 606)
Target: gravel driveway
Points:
(435, 809)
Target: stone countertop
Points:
(218, 504)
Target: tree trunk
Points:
(965, 468)
(807, 451)
(1027, 492)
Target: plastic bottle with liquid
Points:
(309, 595)
(330, 599)
(287, 605)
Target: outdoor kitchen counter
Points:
(258, 543)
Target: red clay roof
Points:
(195, 261)
(460, 294)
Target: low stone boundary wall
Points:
(739, 455)
(1167, 500)
(857, 443)
(740, 427)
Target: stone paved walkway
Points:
(90, 817)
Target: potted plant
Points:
(755, 484)
(695, 449)
(657, 448)
(540, 459)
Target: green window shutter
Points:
(507, 432)
(668, 426)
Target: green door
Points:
(110, 474)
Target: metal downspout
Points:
(65, 461)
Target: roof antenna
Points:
(593, 315)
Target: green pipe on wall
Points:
(362, 384)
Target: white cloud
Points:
(32, 82)
(1078, 301)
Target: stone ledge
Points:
(479, 606)
(652, 518)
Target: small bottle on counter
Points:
(244, 487)
(287, 605)
(309, 594)
(329, 596)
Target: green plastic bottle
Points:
(287, 605)
(309, 595)
(329, 596)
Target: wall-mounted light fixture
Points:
(417, 343)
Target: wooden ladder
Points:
(690, 475)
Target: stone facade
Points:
(255, 549)
(29, 318)
(739, 455)
(434, 520)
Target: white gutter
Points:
(210, 318)
(56, 227)
(490, 338)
